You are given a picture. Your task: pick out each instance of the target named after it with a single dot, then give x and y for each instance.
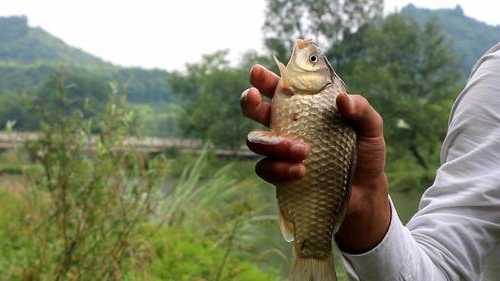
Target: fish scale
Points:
(315, 204)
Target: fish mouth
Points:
(303, 43)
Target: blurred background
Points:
(122, 152)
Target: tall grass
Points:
(107, 212)
(216, 206)
(86, 203)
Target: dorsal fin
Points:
(282, 69)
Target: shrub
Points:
(87, 203)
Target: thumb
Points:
(365, 119)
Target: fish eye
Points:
(313, 59)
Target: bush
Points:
(15, 243)
(88, 202)
(89, 210)
(182, 256)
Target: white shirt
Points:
(455, 235)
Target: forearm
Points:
(457, 226)
(375, 244)
(398, 256)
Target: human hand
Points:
(368, 214)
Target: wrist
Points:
(369, 217)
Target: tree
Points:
(326, 21)
(409, 74)
(84, 93)
(16, 110)
(209, 92)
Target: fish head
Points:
(308, 71)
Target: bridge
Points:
(152, 145)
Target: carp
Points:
(312, 209)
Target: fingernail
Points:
(254, 72)
(252, 68)
(297, 171)
(244, 95)
(298, 149)
(262, 138)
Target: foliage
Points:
(184, 256)
(184, 251)
(217, 248)
(85, 212)
(15, 243)
(20, 85)
(469, 38)
(326, 21)
(174, 244)
(409, 75)
(230, 205)
(81, 92)
(16, 109)
(145, 86)
(17, 77)
(209, 92)
(159, 120)
(84, 92)
(88, 216)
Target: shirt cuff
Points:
(385, 261)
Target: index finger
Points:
(264, 80)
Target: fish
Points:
(312, 209)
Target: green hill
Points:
(29, 56)
(21, 43)
(469, 37)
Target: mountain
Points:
(468, 37)
(29, 56)
(21, 43)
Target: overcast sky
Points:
(167, 34)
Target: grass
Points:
(217, 221)
(204, 228)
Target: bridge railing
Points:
(11, 140)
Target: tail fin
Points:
(312, 269)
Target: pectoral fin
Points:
(285, 226)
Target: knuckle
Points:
(363, 104)
(378, 120)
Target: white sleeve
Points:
(458, 222)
